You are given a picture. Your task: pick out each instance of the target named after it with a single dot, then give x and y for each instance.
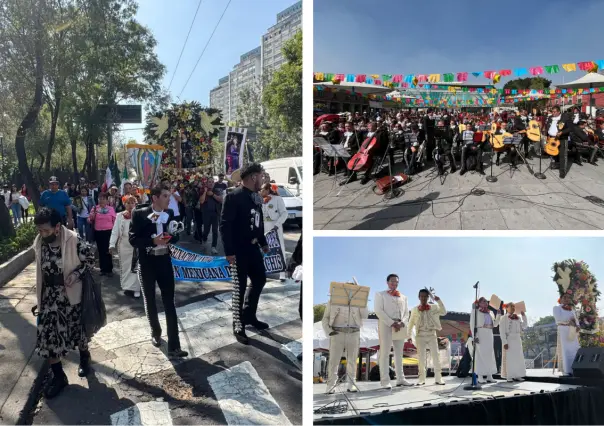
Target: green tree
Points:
(318, 311)
(530, 83)
(282, 100)
(546, 320)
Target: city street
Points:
(221, 382)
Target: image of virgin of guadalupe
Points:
(232, 152)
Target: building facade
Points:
(289, 22)
(254, 64)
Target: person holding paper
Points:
(343, 326)
(390, 306)
(485, 321)
(511, 327)
(568, 333)
(426, 318)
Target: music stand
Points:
(333, 151)
(352, 296)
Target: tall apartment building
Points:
(220, 96)
(288, 23)
(253, 64)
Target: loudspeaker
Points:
(589, 363)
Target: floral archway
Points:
(196, 127)
(574, 278)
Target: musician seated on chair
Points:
(444, 143)
(350, 141)
(471, 149)
(508, 149)
(332, 136)
(580, 138)
(412, 152)
(378, 152)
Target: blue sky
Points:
(435, 36)
(513, 268)
(239, 32)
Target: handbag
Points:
(94, 313)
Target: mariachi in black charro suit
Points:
(242, 230)
(155, 265)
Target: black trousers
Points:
(498, 351)
(210, 222)
(467, 150)
(198, 224)
(250, 263)
(159, 269)
(102, 243)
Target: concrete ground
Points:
(221, 382)
(517, 200)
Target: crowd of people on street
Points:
(137, 226)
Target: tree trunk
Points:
(6, 225)
(31, 117)
(53, 128)
(74, 157)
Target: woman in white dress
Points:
(568, 334)
(485, 352)
(119, 239)
(511, 327)
(275, 215)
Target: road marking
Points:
(145, 414)
(244, 398)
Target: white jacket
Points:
(274, 212)
(338, 316)
(120, 230)
(389, 308)
(432, 318)
(494, 318)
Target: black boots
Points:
(241, 337)
(58, 382)
(84, 368)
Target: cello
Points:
(362, 160)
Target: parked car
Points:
(293, 205)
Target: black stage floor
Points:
(542, 399)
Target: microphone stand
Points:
(540, 174)
(491, 178)
(475, 385)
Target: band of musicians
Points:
(454, 140)
(495, 342)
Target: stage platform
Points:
(527, 402)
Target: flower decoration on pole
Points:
(186, 129)
(574, 278)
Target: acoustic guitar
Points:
(359, 161)
(534, 131)
(497, 140)
(552, 146)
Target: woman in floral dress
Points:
(62, 259)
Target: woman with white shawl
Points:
(568, 334)
(119, 240)
(485, 321)
(511, 327)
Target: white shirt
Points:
(347, 135)
(553, 129)
(174, 204)
(85, 211)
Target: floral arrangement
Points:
(574, 278)
(196, 126)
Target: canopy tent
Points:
(590, 81)
(369, 336)
(360, 88)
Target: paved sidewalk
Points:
(515, 201)
(135, 383)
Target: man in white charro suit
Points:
(343, 328)
(426, 318)
(390, 306)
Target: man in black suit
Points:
(521, 125)
(351, 142)
(149, 236)
(242, 230)
(429, 127)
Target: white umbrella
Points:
(588, 81)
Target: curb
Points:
(25, 393)
(11, 268)
(24, 396)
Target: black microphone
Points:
(475, 285)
